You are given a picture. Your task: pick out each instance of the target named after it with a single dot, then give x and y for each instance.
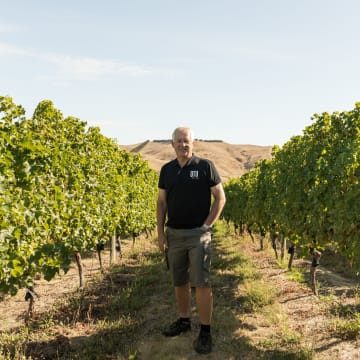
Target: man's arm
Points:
(218, 204)
(161, 211)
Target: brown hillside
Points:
(231, 160)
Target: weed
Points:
(348, 329)
(289, 337)
(269, 343)
(289, 340)
(257, 294)
(297, 274)
(12, 345)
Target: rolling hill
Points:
(231, 160)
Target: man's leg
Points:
(183, 300)
(204, 302)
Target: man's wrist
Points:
(205, 227)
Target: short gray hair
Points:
(183, 129)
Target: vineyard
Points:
(308, 193)
(67, 191)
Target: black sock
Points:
(187, 320)
(205, 328)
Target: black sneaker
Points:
(177, 327)
(203, 344)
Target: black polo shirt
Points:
(188, 191)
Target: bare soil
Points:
(304, 314)
(308, 314)
(13, 309)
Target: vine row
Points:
(309, 192)
(64, 188)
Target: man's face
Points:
(183, 144)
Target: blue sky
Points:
(245, 72)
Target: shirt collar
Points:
(189, 162)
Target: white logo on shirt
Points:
(194, 174)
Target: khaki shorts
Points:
(189, 256)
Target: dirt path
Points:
(13, 309)
(307, 314)
(300, 317)
(299, 314)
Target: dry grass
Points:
(231, 160)
(259, 313)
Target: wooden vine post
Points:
(113, 249)
(316, 254)
(80, 268)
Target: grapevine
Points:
(64, 189)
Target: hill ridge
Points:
(231, 160)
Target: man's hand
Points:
(162, 242)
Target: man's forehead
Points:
(183, 133)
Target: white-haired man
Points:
(185, 215)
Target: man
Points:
(186, 186)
